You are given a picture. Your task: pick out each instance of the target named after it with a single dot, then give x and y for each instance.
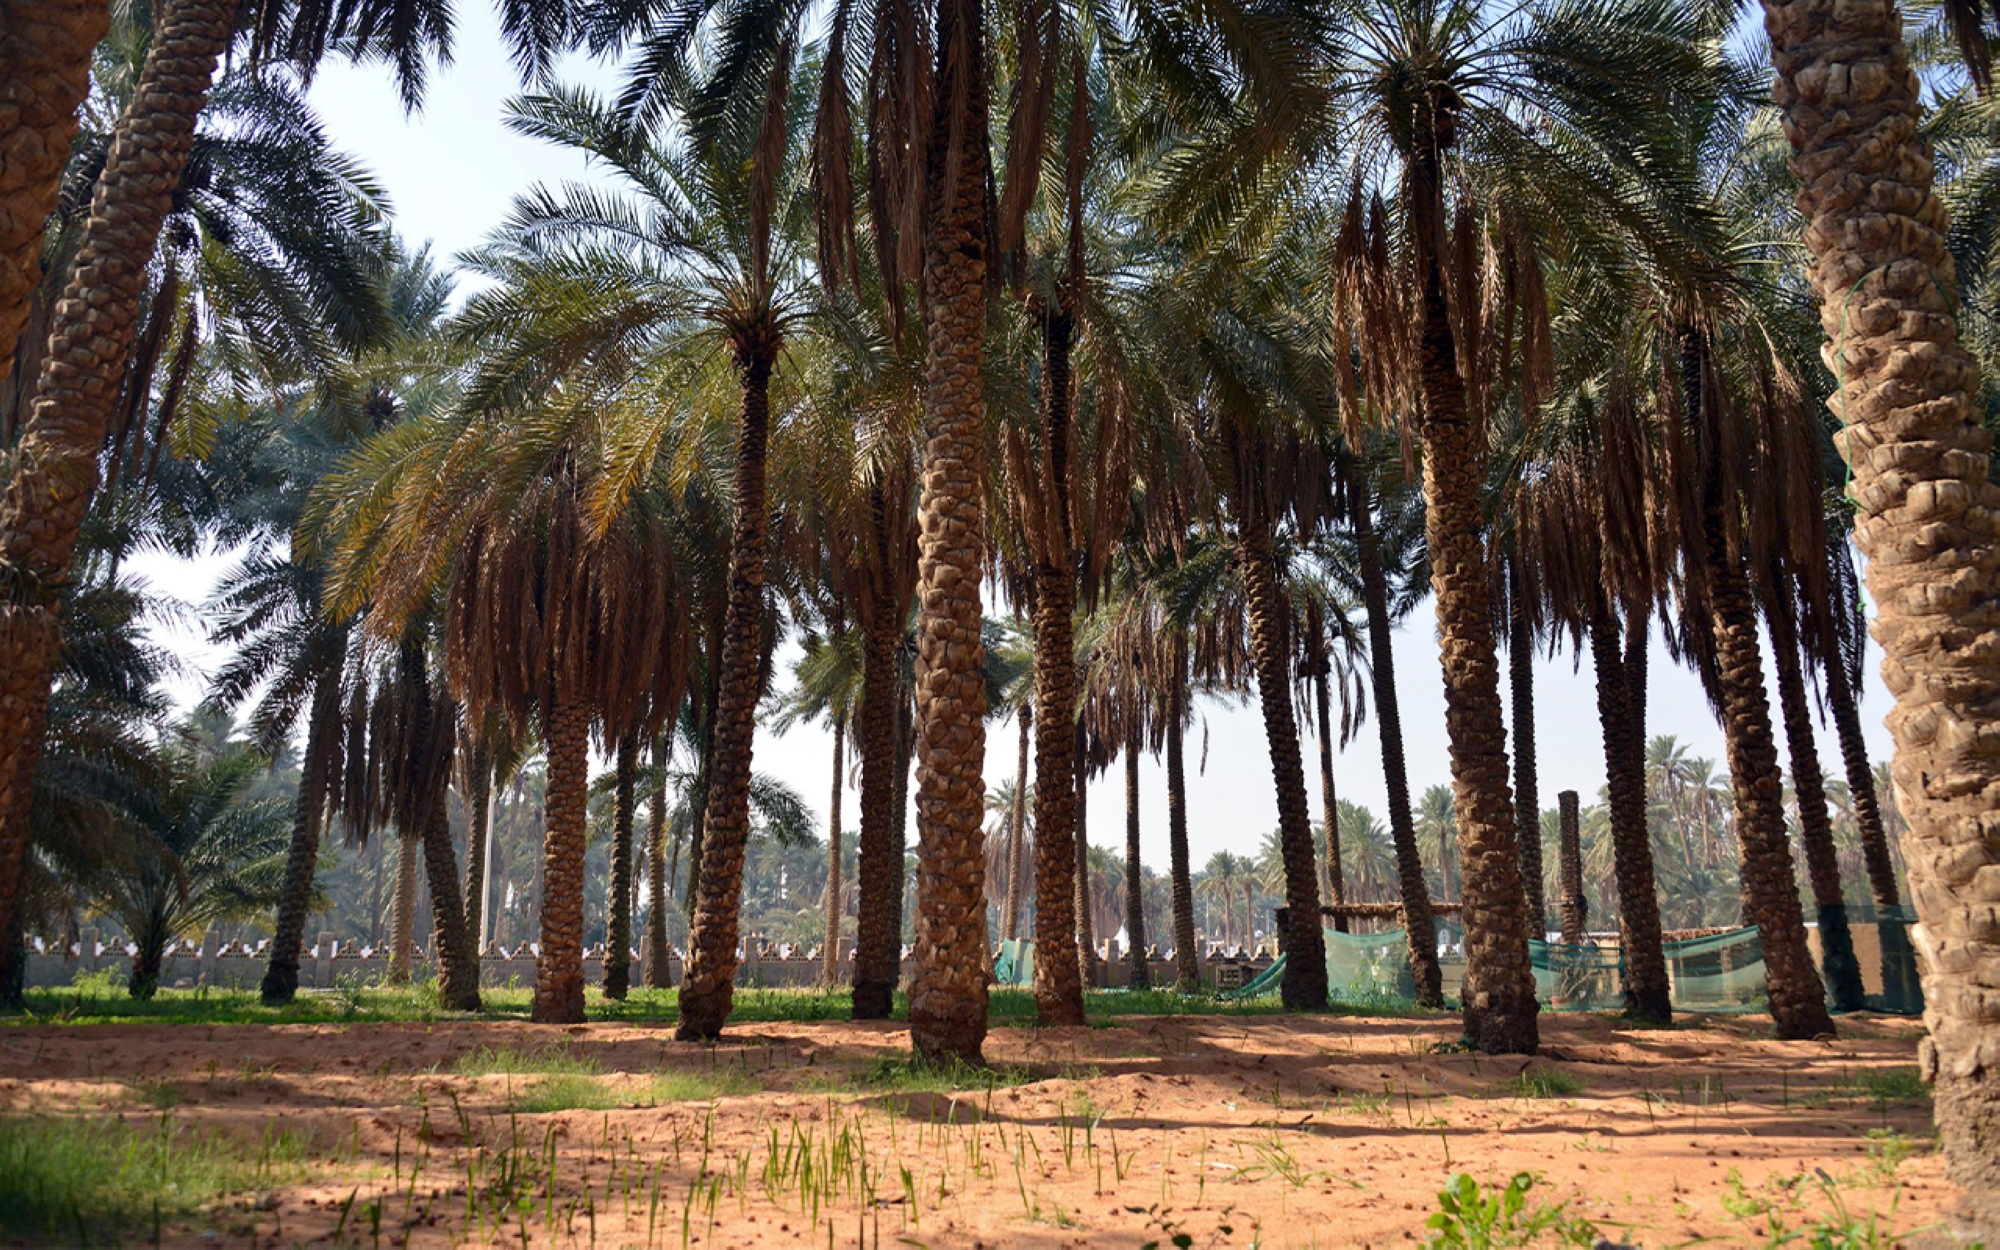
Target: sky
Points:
(451, 173)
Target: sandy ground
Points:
(1268, 1131)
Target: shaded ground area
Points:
(1226, 1130)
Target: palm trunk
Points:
(618, 923)
(1499, 993)
(1837, 960)
(658, 973)
(1304, 985)
(45, 62)
(1569, 855)
(1899, 966)
(559, 970)
(452, 950)
(55, 463)
(1135, 881)
(1418, 923)
(1927, 518)
(830, 952)
(879, 864)
(1187, 963)
(403, 908)
(1017, 850)
(1086, 937)
(281, 979)
(1060, 910)
(1648, 993)
(479, 819)
(1336, 887)
(948, 987)
(1527, 802)
(708, 985)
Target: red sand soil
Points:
(1273, 1131)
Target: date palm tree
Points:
(1928, 524)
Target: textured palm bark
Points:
(1304, 984)
(281, 978)
(659, 976)
(1418, 923)
(618, 924)
(829, 972)
(1574, 910)
(1648, 993)
(452, 949)
(403, 909)
(1135, 880)
(708, 986)
(1770, 889)
(1086, 940)
(1059, 887)
(1837, 959)
(878, 867)
(1187, 963)
(1527, 800)
(1017, 850)
(1899, 965)
(45, 49)
(1499, 993)
(1927, 518)
(559, 969)
(948, 985)
(56, 461)
(1336, 886)
(479, 813)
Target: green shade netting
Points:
(1369, 967)
(1265, 982)
(1015, 965)
(1720, 973)
(1577, 978)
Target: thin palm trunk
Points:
(708, 986)
(1187, 964)
(1304, 984)
(879, 861)
(1527, 802)
(1569, 863)
(948, 986)
(281, 979)
(452, 952)
(403, 908)
(1336, 887)
(1899, 966)
(1928, 523)
(1837, 959)
(830, 953)
(479, 813)
(1086, 937)
(1499, 991)
(55, 464)
(1648, 994)
(1418, 923)
(658, 973)
(1135, 880)
(618, 923)
(1017, 856)
(559, 967)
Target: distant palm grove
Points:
(928, 370)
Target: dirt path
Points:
(1230, 1131)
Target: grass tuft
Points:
(1535, 1082)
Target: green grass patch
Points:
(539, 1061)
(1532, 1082)
(701, 1086)
(567, 1091)
(912, 1076)
(82, 1181)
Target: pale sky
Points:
(452, 172)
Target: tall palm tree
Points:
(90, 335)
(1914, 441)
